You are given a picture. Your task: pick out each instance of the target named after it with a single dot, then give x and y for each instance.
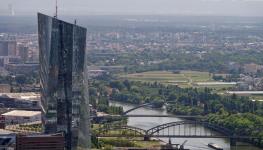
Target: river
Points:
(192, 143)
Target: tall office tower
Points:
(63, 80)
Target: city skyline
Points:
(131, 74)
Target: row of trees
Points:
(183, 101)
(100, 101)
(246, 124)
(239, 114)
(212, 61)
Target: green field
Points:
(256, 97)
(182, 79)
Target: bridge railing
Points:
(137, 107)
(119, 131)
(158, 131)
(188, 122)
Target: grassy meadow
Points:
(182, 79)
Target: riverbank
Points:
(197, 144)
(124, 142)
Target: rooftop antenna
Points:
(56, 14)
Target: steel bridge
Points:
(151, 116)
(180, 129)
(137, 107)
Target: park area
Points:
(182, 79)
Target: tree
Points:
(92, 91)
(172, 97)
(117, 84)
(21, 79)
(127, 84)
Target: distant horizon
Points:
(239, 8)
(117, 19)
(131, 14)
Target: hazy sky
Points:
(175, 7)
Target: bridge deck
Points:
(178, 136)
(168, 116)
(138, 116)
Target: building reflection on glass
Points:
(64, 94)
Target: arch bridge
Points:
(120, 131)
(137, 107)
(180, 129)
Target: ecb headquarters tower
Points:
(63, 80)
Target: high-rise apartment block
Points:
(8, 48)
(23, 52)
(63, 80)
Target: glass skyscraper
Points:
(63, 80)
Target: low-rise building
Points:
(40, 142)
(5, 88)
(244, 93)
(22, 68)
(252, 68)
(107, 68)
(28, 100)
(7, 140)
(242, 86)
(21, 117)
(96, 73)
(4, 60)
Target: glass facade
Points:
(64, 91)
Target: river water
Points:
(192, 143)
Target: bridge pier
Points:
(146, 138)
(233, 142)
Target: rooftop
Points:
(44, 135)
(24, 65)
(22, 113)
(4, 132)
(24, 96)
(216, 83)
(245, 92)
